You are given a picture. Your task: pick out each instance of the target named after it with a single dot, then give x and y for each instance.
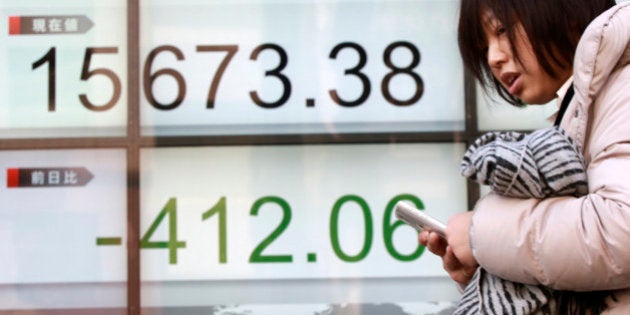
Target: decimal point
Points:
(310, 102)
(311, 257)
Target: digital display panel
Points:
(296, 229)
(63, 69)
(62, 220)
(299, 67)
(292, 212)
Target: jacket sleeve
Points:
(567, 242)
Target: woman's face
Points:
(526, 79)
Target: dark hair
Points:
(553, 27)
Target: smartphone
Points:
(418, 219)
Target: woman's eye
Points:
(500, 30)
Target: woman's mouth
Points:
(512, 82)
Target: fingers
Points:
(456, 270)
(450, 261)
(433, 242)
(437, 244)
(453, 266)
(423, 237)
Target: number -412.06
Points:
(219, 210)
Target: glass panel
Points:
(300, 227)
(299, 67)
(63, 230)
(63, 68)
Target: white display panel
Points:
(55, 212)
(63, 229)
(272, 67)
(63, 68)
(292, 212)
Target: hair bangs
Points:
(471, 37)
(473, 44)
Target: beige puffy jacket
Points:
(567, 242)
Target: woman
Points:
(528, 51)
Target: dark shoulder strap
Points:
(563, 106)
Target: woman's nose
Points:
(497, 54)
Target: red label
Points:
(14, 25)
(13, 177)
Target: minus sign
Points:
(107, 241)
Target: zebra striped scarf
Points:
(541, 164)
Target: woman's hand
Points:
(456, 254)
